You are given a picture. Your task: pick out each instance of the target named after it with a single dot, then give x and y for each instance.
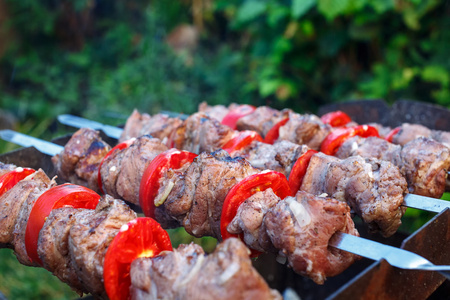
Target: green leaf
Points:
(436, 74)
(332, 8)
(250, 10)
(301, 7)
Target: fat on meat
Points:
(187, 273)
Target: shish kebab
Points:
(259, 240)
(98, 245)
(424, 162)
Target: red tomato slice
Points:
(148, 190)
(389, 137)
(246, 188)
(235, 114)
(10, 179)
(274, 132)
(241, 140)
(335, 139)
(299, 170)
(336, 118)
(120, 146)
(142, 237)
(67, 194)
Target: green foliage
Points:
(319, 51)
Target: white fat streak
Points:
(301, 215)
(160, 200)
(194, 270)
(354, 146)
(323, 195)
(113, 168)
(229, 272)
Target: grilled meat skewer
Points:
(73, 242)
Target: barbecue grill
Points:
(364, 278)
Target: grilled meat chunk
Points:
(301, 227)
(201, 133)
(90, 237)
(304, 130)
(159, 126)
(196, 198)
(5, 168)
(373, 188)
(261, 120)
(78, 162)
(249, 220)
(187, 273)
(280, 156)
(15, 209)
(121, 172)
(423, 161)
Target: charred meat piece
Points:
(201, 133)
(197, 196)
(280, 156)
(159, 126)
(78, 162)
(373, 188)
(409, 132)
(187, 273)
(5, 168)
(121, 172)
(261, 120)
(301, 227)
(304, 130)
(423, 161)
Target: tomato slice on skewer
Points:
(390, 136)
(142, 237)
(274, 132)
(335, 139)
(241, 140)
(234, 115)
(148, 190)
(67, 194)
(246, 188)
(120, 146)
(336, 118)
(10, 179)
(299, 170)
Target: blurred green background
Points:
(101, 59)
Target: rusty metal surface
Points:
(382, 281)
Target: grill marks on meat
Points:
(304, 130)
(197, 197)
(424, 162)
(301, 227)
(122, 171)
(201, 133)
(280, 156)
(159, 126)
(373, 188)
(78, 162)
(187, 273)
(262, 119)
